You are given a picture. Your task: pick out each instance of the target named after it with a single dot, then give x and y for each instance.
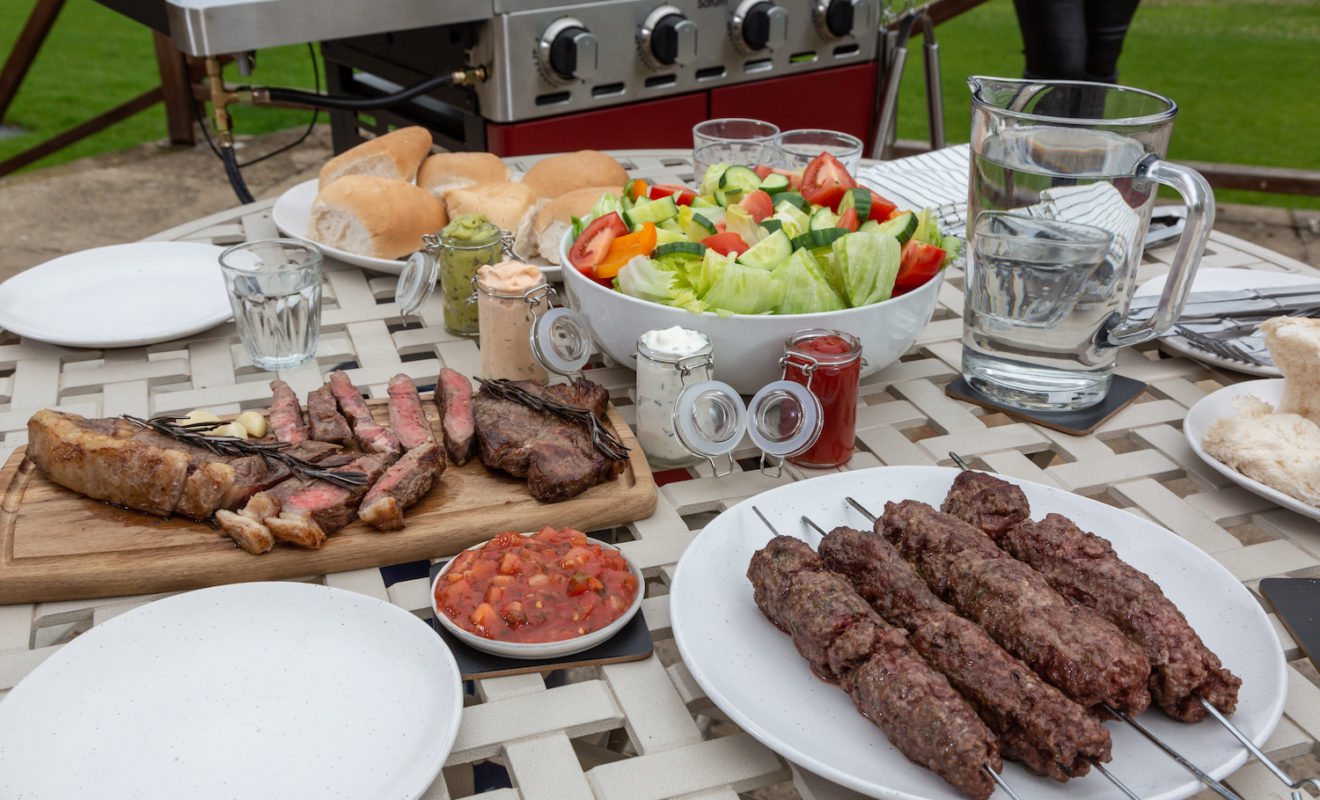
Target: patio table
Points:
(644, 729)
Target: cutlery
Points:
(1218, 302)
(1218, 347)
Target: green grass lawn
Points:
(1241, 71)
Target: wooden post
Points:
(25, 50)
(176, 81)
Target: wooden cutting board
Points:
(59, 545)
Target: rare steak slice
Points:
(556, 456)
(325, 423)
(404, 483)
(407, 417)
(319, 507)
(371, 436)
(453, 399)
(285, 418)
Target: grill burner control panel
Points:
(551, 61)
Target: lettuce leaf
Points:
(738, 220)
(649, 280)
(738, 289)
(868, 264)
(806, 290)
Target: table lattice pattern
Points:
(643, 729)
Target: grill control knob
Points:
(758, 24)
(836, 19)
(568, 51)
(667, 37)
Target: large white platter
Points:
(751, 670)
(293, 208)
(247, 690)
(1220, 404)
(123, 295)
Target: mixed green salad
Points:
(759, 240)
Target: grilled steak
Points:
(285, 418)
(407, 417)
(326, 424)
(309, 510)
(556, 456)
(371, 436)
(404, 483)
(453, 399)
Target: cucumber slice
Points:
(817, 238)
(788, 211)
(859, 199)
(701, 227)
(771, 224)
(701, 202)
(901, 227)
(768, 253)
(652, 211)
(775, 183)
(695, 249)
(740, 179)
(795, 198)
(823, 218)
(669, 235)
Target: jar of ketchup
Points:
(829, 364)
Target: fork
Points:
(1217, 347)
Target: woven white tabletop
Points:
(644, 729)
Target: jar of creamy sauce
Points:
(509, 295)
(467, 243)
(668, 361)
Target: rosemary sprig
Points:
(602, 438)
(194, 433)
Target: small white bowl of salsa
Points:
(541, 595)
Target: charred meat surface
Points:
(404, 483)
(325, 423)
(1037, 725)
(453, 399)
(991, 504)
(286, 417)
(556, 456)
(407, 417)
(1069, 645)
(317, 508)
(371, 436)
(847, 642)
(1084, 567)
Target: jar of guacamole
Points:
(466, 243)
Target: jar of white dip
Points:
(668, 361)
(508, 294)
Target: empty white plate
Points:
(123, 295)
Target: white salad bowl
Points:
(747, 346)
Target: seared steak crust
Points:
(404, 483)
(407, 417)
(285, 417)
(325, 422)
(371, 436)
(453, 399)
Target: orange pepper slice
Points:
(624, 248)
(638, 188)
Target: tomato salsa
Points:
(829, 364)
(548, 586)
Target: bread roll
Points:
(1280, 450)
(396, 155)
(443, 172)
(557, 217)
(561, 174)
(1294, 344)
(511, 206)
(376, 217)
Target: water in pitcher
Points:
(1055, 233)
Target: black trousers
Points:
(1073, 39)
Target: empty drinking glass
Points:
(797, 148)
(733, 141)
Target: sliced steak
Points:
(255, 474)
(404, 483)
(285, 418)
(453, 399)
(248, 533)
(556, 456)
(326, 424)
(371, 436)
(407, 417)
(205, 489)
(317, 508)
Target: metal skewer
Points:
(1294, 785)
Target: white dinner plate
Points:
(293, 208)
(249, 690)
(1215, 279)
(123, 295)
(750, 669)
(1220, 404)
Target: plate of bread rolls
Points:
(372, 204)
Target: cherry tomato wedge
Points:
(825, 180)
(881, 209)
(919, 263)
(758, 204)
(590, 247)
(848, 220)
(682, 195)
(725, 243)
(624, 248)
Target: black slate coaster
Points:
(633, 643)
(1297, 602)
(1122, 391)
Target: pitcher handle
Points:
(1195, 191)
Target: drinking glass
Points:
(733, 140)
(797, 148)
(274, 289)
